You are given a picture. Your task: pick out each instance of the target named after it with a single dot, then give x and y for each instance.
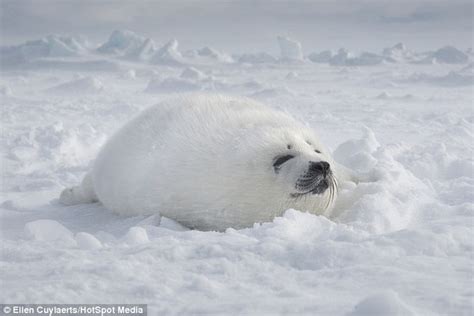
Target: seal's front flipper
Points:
(84, 193)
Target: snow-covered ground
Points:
(400, 243)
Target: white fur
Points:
(205, 161)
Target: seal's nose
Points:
(321, 167)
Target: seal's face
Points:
(307, 169)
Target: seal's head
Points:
(302, 170)
(310, 173)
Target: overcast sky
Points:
(248, 24)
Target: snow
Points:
(169, 85)
(452, 78)
(82, 85)
(400, 241)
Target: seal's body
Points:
(210, 162)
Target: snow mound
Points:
(208, 54)
(87, 241)
(290, 50)
(257, 58)
(356, 153)
(468, 69)
(384, 184)
(73, 65)
(341, 58)
(449, 55)
(193, 74)
(345, 58)
(387, 303)
(121, 42)
(272, 93)
(383, 96)
(168, 55)
(398, 53)
(322, 57)
(54, 146)
(50, 46)
(83, 85)
(144, 52)
(5, 90)
(128, 74)
(387, 96)
(291, 75)
(136, 236)
(452, 79)
(172, 85)
(47, 230)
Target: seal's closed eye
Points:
(281, 160)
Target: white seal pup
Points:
(211, 162)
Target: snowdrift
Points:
(50, 46)
(129, 46)
(82, 86)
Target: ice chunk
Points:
(129, 74)
(47, 230)
(136, 236)
(322, 57)
(384, 95)
(87, 241)
(398, 53)
(144, 52)
(387, 303)
(193, 74)
(5, 90)
(345, 58)
(120, 42)
(258, 58)
(290, 49)
(291, 75)
(50, 46)
(168, 55)
(450, 55)
(214, 55)
(172, 225)
(340, 58)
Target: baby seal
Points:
(211, 162)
